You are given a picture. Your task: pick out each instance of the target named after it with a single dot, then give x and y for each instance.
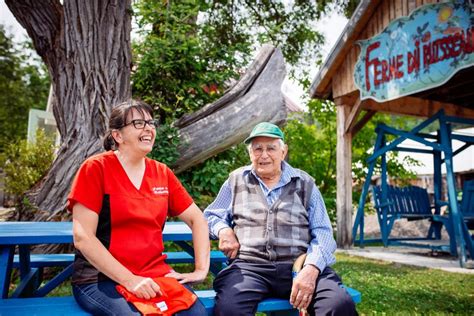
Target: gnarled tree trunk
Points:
(86, 47)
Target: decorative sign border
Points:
(416, 53)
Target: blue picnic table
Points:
(25, 234)
(29, 294)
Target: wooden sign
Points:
(416, 53)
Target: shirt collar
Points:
(287, 172)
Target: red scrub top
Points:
(130, 220)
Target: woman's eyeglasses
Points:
(140, 124)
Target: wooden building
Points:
(335, 81)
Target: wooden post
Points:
(344, 179)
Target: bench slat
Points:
(65, 259)
(67, 305)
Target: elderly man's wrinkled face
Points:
(266, 154)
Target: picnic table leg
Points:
(55, 282)
(6, 262)
(30, 278)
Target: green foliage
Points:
(176, 71)
(347, 7)
(166, 144)
(192, 50)
(23, 85)
(25, 164)
(393, 289)
(204, 180)
(312, 147)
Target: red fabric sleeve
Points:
(88, 186)
(179, 198)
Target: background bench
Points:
(467, 203)
(412, 203)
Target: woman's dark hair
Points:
(118, 119)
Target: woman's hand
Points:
(142, 287)
(194, 277)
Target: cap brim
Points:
(249, 139)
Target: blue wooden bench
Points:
(412, 203)
(67, 305)
(467, 203)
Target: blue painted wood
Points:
(397, 141)
(29, 283)
(454, 215)
(54, 282)
(65, 259)
(410, 202)
(34, 233)
(467, 202)
(67, 305)
(6, 256)
(460, 240)
(175, 231)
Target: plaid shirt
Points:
(322, 246)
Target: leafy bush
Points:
(166, 144)
(204, 181)
(25, 164)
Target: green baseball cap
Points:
(265, 129)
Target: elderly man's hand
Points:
(303, 287)
(228, 243)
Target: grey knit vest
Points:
(279, 232)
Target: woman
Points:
(120, 200)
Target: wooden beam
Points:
(418, 107)
(352, 118)
(349, 98)
(367, 116)
(344, 180)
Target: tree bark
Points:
(256, 97)
(86, 46)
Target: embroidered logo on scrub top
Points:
(160, 190)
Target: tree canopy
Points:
(24, 84)
(191, 51)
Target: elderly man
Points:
(265, 216)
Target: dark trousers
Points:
(241, 286)
(103, 299)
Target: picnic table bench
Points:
(29, 297)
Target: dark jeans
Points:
(103, 299)
(241, 286)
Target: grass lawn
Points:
(391, 289)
